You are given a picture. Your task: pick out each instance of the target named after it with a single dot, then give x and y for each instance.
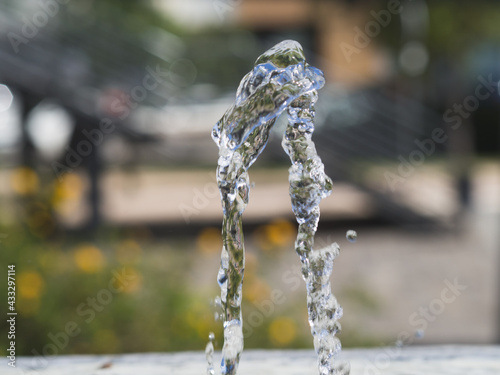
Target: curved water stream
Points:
(280, 80)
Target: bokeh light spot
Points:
(134, 281)
(6, 98)
(282, 331)
(209, 241)
(68, 188)
(256, 289)
(24, 181)
(30, 284)
(277, 234)
(89, 258)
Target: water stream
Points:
(280, 80)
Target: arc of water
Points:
(281, 79)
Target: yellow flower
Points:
(89, 258)
(281, 232)
(277, 234)
(134, 281)
(30, 284)
(24, 181)
(256, 289)
(69, 188)
(282, 331)
(209, 241)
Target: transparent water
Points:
(209, 354)
(351, 235)
(280, 80)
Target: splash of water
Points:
(280, 80)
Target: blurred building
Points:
(326, 28)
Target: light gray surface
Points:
(428, 360)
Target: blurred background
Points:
(109, 206)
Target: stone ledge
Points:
(425, 360)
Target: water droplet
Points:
(419, 334)
(211, 336)
(351, 236)
(218, 301)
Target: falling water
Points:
(280, 80)
(209, 353)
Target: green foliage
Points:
(162, 304)
(66, 281)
